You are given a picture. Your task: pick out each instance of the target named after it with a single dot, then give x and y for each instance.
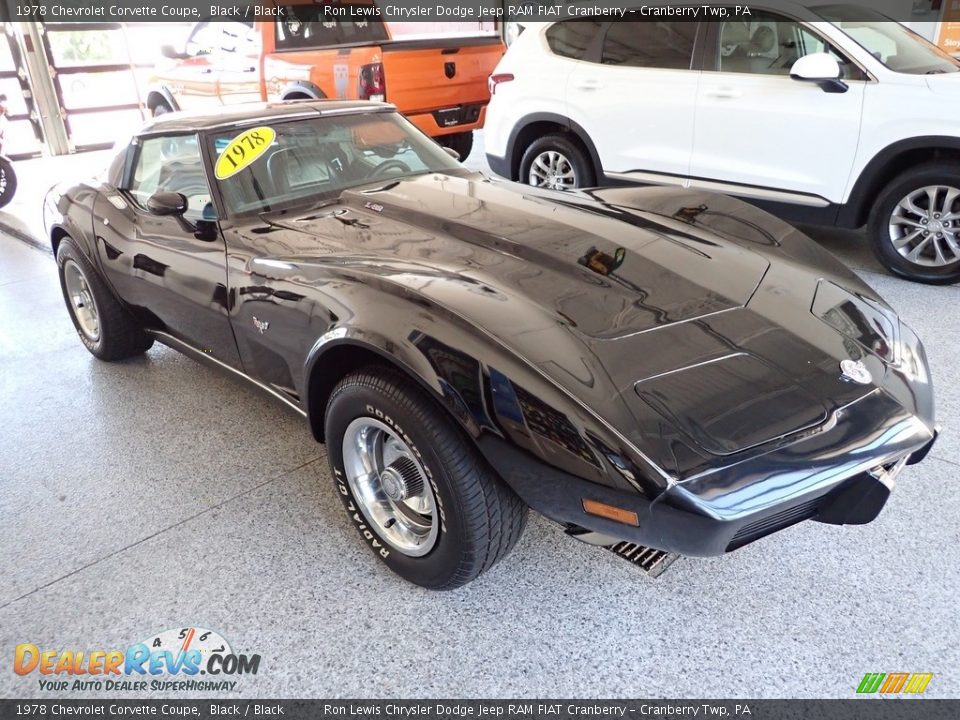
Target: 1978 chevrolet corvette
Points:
(661, 371)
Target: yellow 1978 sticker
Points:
(243, 150)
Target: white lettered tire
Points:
(419, 493)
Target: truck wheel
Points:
(556, 163)
(417, 491)
(161, 108)
(105, 327)
(915, 224)
(461, 142)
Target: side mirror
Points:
(167, 203)
(452, 153)
(820, 68)
(169, 51)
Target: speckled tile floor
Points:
(151, 494)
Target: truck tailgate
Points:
(433, 74)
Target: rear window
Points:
(306, 27)
(571, 39)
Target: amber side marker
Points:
(610, 512)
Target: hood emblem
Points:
(450, 69)
(261, 325)
(855, 371)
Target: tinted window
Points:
(312, 160)
(770, 44)
(572, 38)
(171, 164)
(650, 44)
(305, 26)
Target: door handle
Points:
(724, 93)
(588, 84)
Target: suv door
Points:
(758, 127)
(635, 95)
(173, 276)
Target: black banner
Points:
(863, 709)
(431, 10)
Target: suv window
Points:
(571, 38)
(667, 45)
(770, 44)
(171, 164)
(210, 37)
(309, 27)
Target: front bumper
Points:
(826, 477)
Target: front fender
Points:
(494, 395)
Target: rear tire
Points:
(914, 225)
(461, 142)
(555, 162)
(161, 108)
(465, 520)
(105, 327)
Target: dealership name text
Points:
(386, 11)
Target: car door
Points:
(636, 96)
(758, 127)
(194, 79)
(170, 269)
(237, 63)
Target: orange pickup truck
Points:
(440, 84)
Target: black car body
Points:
(681, 357)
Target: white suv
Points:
(831, 114)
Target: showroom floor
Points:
(155, 493)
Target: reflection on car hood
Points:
(684, 318)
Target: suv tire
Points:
(914, 225)
(555, 162)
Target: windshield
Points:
(290, 163)
(898, 48)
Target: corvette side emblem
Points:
(261, 325)
(855, 371)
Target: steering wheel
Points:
(389, 165)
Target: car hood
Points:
(643, 303)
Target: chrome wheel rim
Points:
(925, 224)
(552, 169)
(391, 487)
(81, 301)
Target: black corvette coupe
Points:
(661, 371)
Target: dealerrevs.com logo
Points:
(177, 660)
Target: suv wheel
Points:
(556, 163)
(915, 224)
(161, 108)
(420, 495)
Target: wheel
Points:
(105, 327)
(555, 162)
(418, 492)
(915, 224)
(461, 142)
(8, 182)
(161, 108)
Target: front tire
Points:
(424, 500)
(557, 163)
(914, 226)
(161, 108)
(105, 327)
